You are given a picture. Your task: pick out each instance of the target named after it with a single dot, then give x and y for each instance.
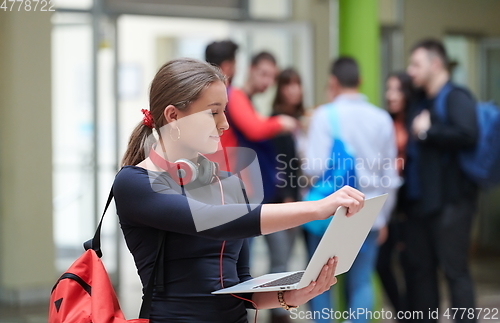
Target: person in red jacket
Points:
(262, 75)
(244, 117)
(248, 128)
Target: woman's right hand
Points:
(347, 196)
(325, 280)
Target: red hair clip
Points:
(148, 119)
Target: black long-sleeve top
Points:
(149, 202)
(441, 179)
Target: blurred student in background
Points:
(223, 55)
(399, 95)
(355, 139)
(288, 101)
(247, 127)
(442, 200)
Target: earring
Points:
(178, 134)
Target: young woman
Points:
(398, 95)
(399, 92)
(157, 191)
(288, 101)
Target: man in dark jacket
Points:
(441, 199)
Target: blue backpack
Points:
(481, 163)
(340, 171)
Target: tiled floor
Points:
(486, 272)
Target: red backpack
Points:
(84, 293)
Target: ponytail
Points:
(137, 145)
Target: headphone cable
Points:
(222, 254)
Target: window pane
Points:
(270, 9)
(462, 52)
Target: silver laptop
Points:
(343, 238)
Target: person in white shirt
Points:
(351, 142)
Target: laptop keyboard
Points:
(287, 280)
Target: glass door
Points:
(72, 138)
(490, 53)
(84, 140)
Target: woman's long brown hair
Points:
(286, 77)
(178, 83)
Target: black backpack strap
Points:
(158, 269)
(95, 242)
(158, 273)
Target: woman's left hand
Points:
(326, 279)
